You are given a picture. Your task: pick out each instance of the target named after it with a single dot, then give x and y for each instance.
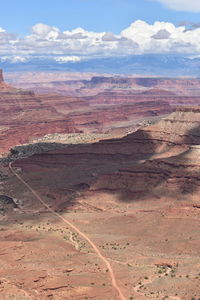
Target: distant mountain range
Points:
(151, 64)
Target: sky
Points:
(93, 15)
(73, 29)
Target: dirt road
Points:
(75, 228)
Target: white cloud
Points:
(14, 59)
(150, 37)
(45, 31)
(139, 38)
(162, 34)
(109, 37)
(182, 5)
(66, 59)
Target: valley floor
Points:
(152, 247)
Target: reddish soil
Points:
(114, 219)
(136, 198)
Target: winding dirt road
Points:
(75, 228)
(151, 280)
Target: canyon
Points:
(94, 104)
(124, 168)
(82, 84)
(37, 115)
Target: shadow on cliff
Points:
(62, 173)
(176, 177)
(192, 136)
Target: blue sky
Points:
(18, 16)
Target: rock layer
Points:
(38, 115)
(146, 162)
(123, 194)
(23, 116)
(171, 166)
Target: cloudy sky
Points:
(71, 30)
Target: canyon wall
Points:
(23, 117)
(38, 115)
(171, 158)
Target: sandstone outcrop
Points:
(136, 197)
(38, 115)
(179, 86)
(161, 147)
(79, 84)
(23, 116)
(172, 158)
(161, 157)
(177, 176)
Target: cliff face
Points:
(105, 116)
(100, 103)
(125, 167)
(179, 87)
(37, 115)
(169, 166)
(154, 162)
(23, 116)
(106, 110)
(177, 176)
(180, 127)
(125, 193)
(72, 85)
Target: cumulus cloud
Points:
(163, 37)
(162, 34)
(42, 29)
(109, 37)
(182, 5)
(73, 45)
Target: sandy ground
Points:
(152, 246)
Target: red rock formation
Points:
(23, 116)
(110, 109)
(177, 176)
(179, 86)
(106, 179)
(148, 95)
(175, 170)
(63, 83)
(105, 116)
(147, 163)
